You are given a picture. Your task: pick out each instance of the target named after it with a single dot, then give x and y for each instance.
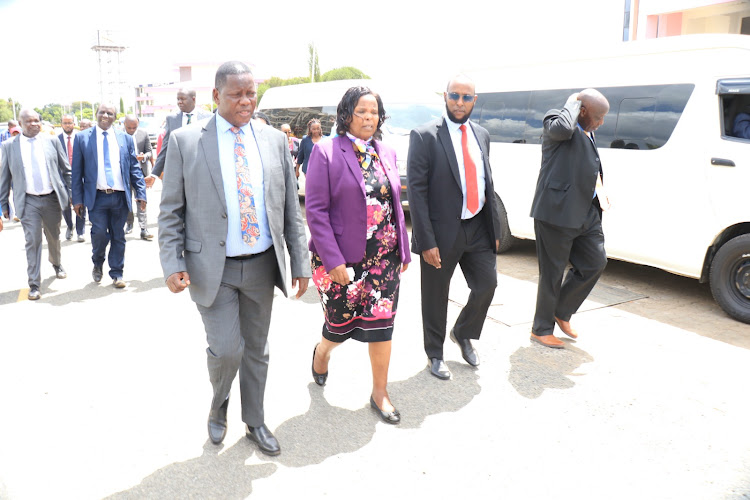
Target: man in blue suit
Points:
(104, 168)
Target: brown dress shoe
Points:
(548, 341)
(566, 328)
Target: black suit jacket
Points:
(173, 122)
(434, 187)
(567, 178)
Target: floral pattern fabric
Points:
(366, 308)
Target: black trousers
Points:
(473, 251)
(556, 246)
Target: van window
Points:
(297, 118)
(735, 122)
(640, 117)
(402, 118)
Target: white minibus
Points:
(676, 172)
(405, 107)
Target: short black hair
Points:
(262, 116)
(230, 68)
(345, 109)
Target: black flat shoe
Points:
(319, 378)
(467, 350)
(389, 417)
(265, 440)
(217, 423)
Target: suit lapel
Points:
(265, 156)
(209, 143)
(16, 145)
(343, 144)
(391, 171)
(445, 139)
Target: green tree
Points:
(312, 62)
(6, 109)
(345, 73)
(122, 106)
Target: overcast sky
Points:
(47, 57)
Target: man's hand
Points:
(149, 181)
(5, 214)
(139, 157)
(177, 282)
(339, 275)
(1, 224)
(141, 204)
(302, 282)
(432, 257)
(78, 209)
(497, 246)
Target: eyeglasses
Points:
(455, 96)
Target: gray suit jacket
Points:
(567, 178)
(174, 121)
(193, 218)
(12, 172)
(141, 140)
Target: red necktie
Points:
(472, 194)
(70, 151)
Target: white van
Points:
(405, 107)
(678, 179)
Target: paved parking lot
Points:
(105, 394)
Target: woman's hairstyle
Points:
(312, 122)
(345, 110)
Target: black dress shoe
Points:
(69, 233)
(467, 350)
(264, 439)
(319, 378)
(97, 273)
(217, 423)
(34, 293)
(60, 272)
(145, 235)
(389, 417)
(437, 368)
(128, 228)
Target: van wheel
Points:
(730, 278)
(506, 240)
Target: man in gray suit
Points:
(142, 146)
(187, 115)
(229, 207)
(36, 166)
(567, 210)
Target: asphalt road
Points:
(105, 393)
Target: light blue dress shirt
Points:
(235, 246)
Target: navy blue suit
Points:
(107, 212)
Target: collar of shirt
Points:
(110, 132)
(589, 135)
(223, 126)
(453, 126)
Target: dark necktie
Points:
(189, 115)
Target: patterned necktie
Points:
(70, 151)
(189, 115)
(107, 163)
(248, 217)
(36, 172)
(365, 151)
(470, 170)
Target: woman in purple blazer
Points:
(358, 239)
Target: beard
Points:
(456, 120)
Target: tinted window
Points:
(503, 115)
(297, 118)
(404, 117)
(541, 102)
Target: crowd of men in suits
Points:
(228, 250)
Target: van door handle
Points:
(722, 162)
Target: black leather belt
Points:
(110, 191)
(40, 195)
(251, 255)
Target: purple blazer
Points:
(335, 204)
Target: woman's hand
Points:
(339, 274)
(404, 267)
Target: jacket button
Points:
(221, 243)
(597, 159)
(223, 216)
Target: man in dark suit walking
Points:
(67, 137)
(36, 167)
(104, 168)
(567, 210)
(455, 221)
(142, 149)
(187, 115)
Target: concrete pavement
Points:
(105, 394)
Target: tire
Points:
(730, 278)
(506, 240)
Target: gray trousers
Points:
(237, 332)
(142, 220)
(41, 213)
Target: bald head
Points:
(131, 124)
(462, 80)
(30, 122)
(594, 107)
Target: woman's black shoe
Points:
(389, 417)
(319, 378)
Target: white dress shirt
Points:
(41, 161)
(114, 160)
(476, 154)
(193, 118)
